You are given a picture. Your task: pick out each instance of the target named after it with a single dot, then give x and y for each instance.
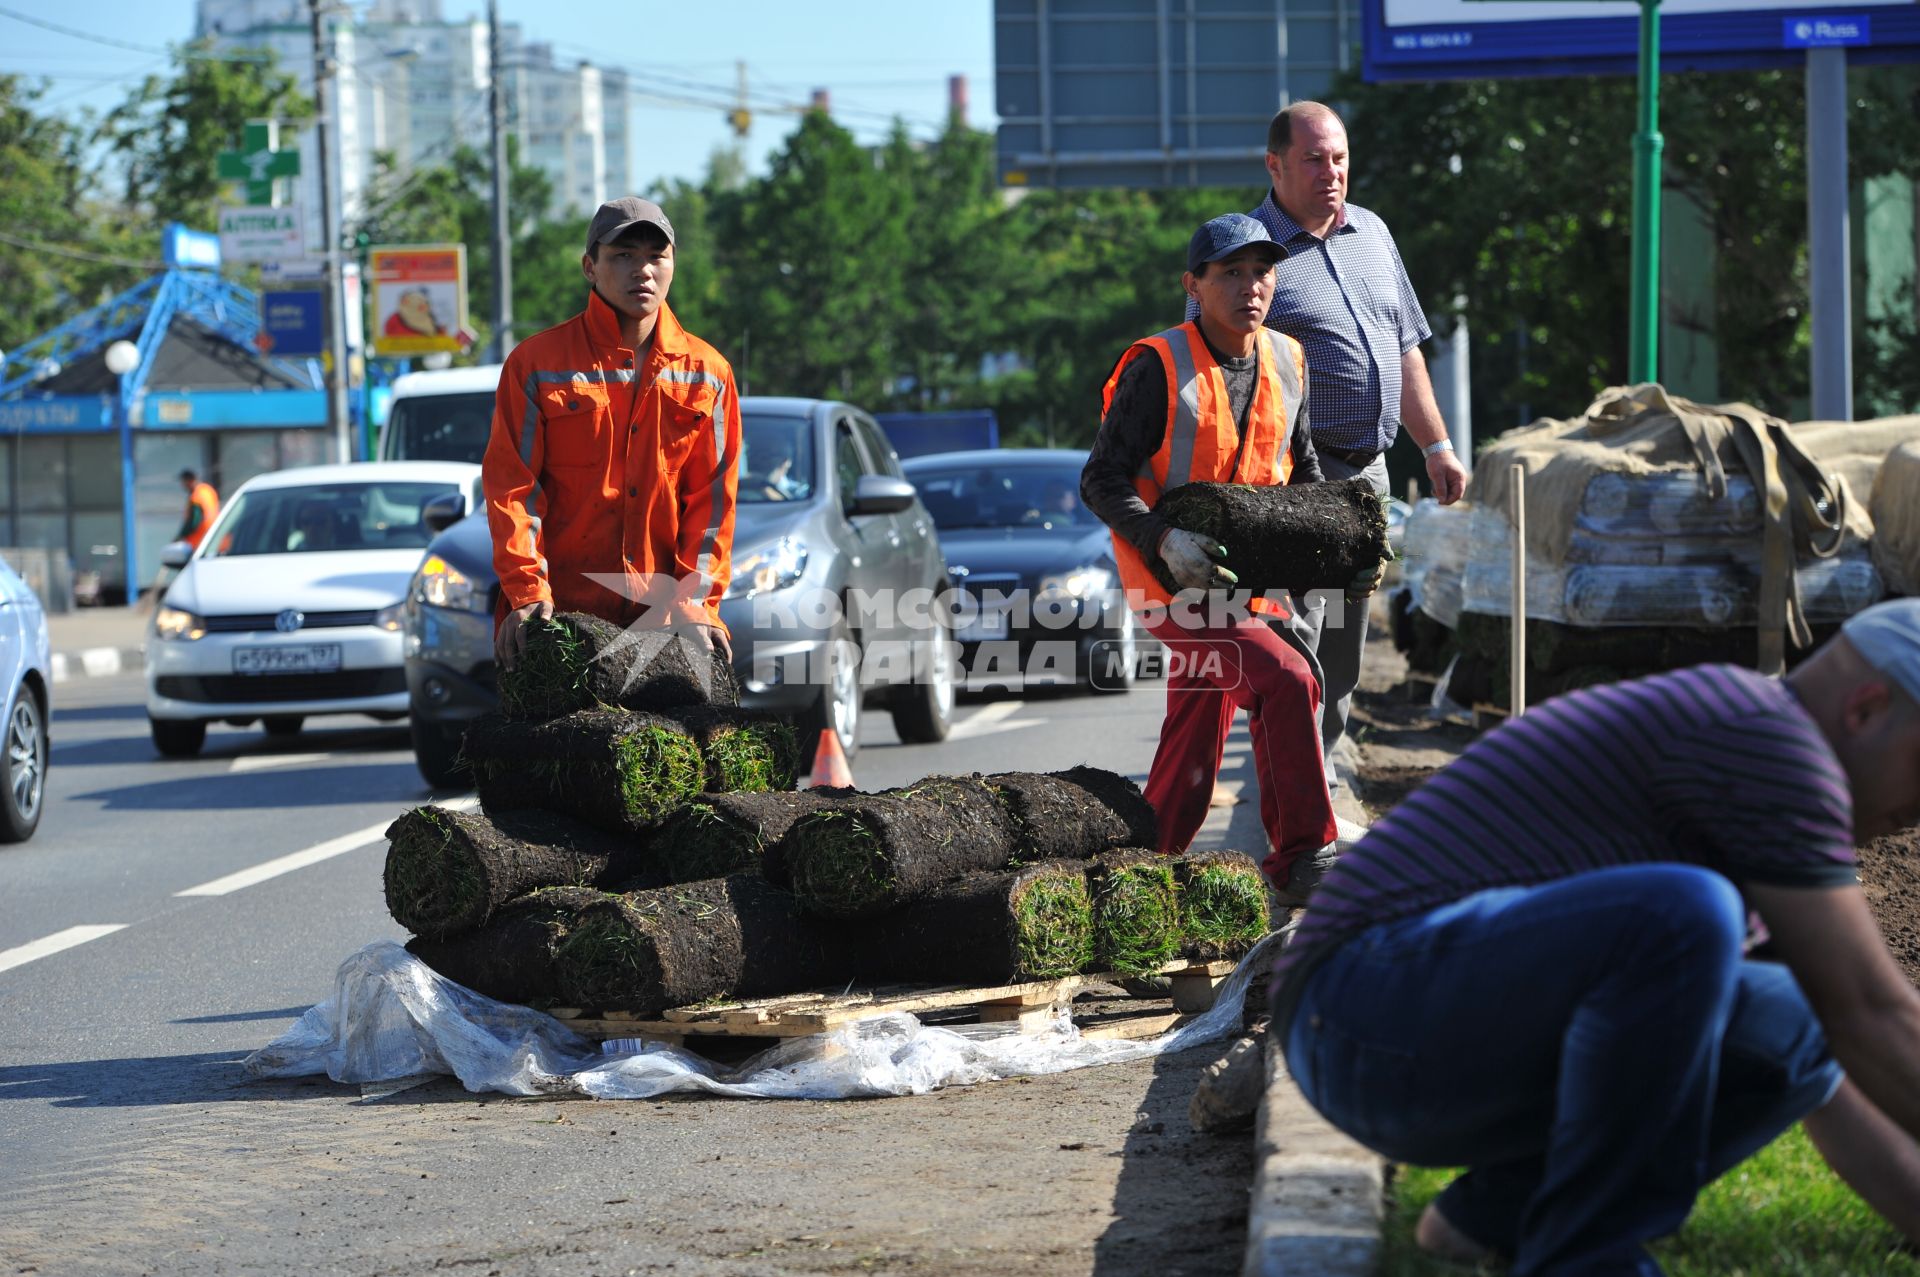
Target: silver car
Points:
(26, 674)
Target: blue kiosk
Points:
(91, 451)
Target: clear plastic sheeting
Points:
(393, 1017)
(1435, 547)
(1694, 583)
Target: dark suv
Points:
(829, 538)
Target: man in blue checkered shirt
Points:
(1342, 293)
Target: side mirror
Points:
(881, 494)
(175, 554)
(444, 511)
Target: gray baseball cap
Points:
(1888, 636)
(617, 217)
(1226, 235)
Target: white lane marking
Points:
(259, 762)
(49, 945)
(992, 718)
(311, 856)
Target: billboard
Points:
(419, 299)
(1472, 39)
(1146, 93)
(293, 321)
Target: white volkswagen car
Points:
(290, 607)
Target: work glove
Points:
(1367, 582)
(1193, 560)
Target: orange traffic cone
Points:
(830, 762)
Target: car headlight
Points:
(439, 584)
(390, 618)
(773, 567)
(1081, 583)
(172, 623)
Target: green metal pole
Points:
(1643, 343)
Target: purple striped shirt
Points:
(1713, 765)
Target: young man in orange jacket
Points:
(612, 468)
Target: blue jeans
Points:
(1594, 1050)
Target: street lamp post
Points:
(122, 357)
(1643, 341)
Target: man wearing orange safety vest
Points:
(203, 503)
(1219, 399)
(611, 472)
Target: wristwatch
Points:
(1438, 445)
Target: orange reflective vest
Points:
(610, 487)
(204, 500)
(1202, 444)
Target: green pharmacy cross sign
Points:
(259, 161)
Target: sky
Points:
(877, 59)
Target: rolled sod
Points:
(1311, 536)
(574, 661)
(737, 936)
(1075, 813)
(1034, 923)
(1136, 911)
(719, 834)
(449, 871)
(1223, 904)
(511, 958)
(744, 751)
(873, 852)
(615, 769)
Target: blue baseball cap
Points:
(1226, 235)
(1888, 636)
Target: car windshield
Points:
(776, 463)
(440, 427)
(335, 516)
(975, 496)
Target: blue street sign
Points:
(1833, 30)
(294, 321)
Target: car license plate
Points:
(988, 625)
(310, 658)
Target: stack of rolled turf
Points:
(637, 850)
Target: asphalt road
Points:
(171, 916)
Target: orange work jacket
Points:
(610, 486)
(204, 499)
(1202, 444)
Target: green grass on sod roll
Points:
(1033, 923)
(1073, 814)
(737, 936)
(1310, 536)
(1136, 912)
(1223, 904)
(447, 871)
(720, 834)
(512, 957)
(869, 853)
(615, 769)
(575, 661)
(744, 751)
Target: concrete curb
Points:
(96, 661)
(1318, 1198)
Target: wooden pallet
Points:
(1029, 1006)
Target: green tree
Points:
(813, 256)
(45, 198)
(170, 131)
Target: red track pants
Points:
(1212, 672)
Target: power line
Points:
(77, 34)
(79, 254)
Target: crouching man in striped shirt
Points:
(1533, 967)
